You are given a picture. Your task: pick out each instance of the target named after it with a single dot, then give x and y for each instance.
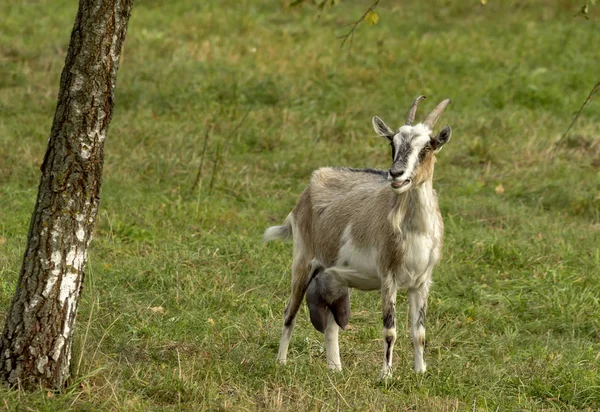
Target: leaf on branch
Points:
(371, 17)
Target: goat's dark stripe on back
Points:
(382, 173)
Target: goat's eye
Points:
(424, 152)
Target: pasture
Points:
(224, 108)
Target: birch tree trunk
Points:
(35, 346)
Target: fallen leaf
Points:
(158, 309)
(499, 189)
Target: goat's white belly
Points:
(357, 267)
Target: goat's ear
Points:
(442, 138)
(382, 129)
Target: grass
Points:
(182, 302)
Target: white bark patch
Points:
(80, 234)
(60, 342)
(101, 136)
(75, 258)
(80, 218)
(85, 151)
(74, 263)
(67, 325)
(67, 286)
(40, 363)
(55, 234)
(66, 331)
(55, 259)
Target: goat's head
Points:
(413, 147)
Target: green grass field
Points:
(182, 303)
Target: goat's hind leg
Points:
(329, 305)
(332, 346)
(300, 280)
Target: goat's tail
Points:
(283, 232)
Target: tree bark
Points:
(35, 347)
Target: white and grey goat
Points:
(370, 230)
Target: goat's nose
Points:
(396, 173)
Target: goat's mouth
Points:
(399, 184)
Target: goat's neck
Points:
(415, 210)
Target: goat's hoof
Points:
(420, 368)
(281, 361)
(334, 367)
(386, 374)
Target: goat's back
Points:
(339, 200)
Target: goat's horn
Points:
(410, 118)
(435, 114)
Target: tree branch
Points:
(585, 103)
(350, 34)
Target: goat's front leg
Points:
(417, 300)
(388, 305)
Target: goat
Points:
(370, 230)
